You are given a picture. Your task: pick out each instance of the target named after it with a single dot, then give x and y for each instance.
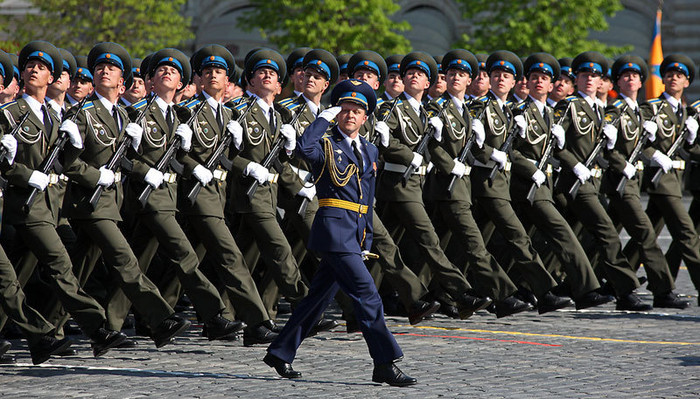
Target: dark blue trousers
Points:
(346, 271)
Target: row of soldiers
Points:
(188, 164)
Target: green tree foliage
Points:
(559, 27)
(339, 26)
(141, 26)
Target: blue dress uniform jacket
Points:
(335, 229)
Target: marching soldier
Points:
(393, 84)
(564, 86)
(10, 90)
(137, 91)
(480, 84)
(81, 85)
(438, 87)
(295, 69)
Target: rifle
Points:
(377, 137)
(217, 157)
(168, 158)
(675, 148)
(422, 147)
(15, 129)
(465, 150)
(119, 157)
(272, 157)
(591, 158)
(546, 156)
(51, 161)
(634, 156)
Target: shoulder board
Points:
(327, 135)
(291, 106)
(570, 98)
(508, 103)
(241, 106)
(618, 103)
(140, 104)
(440, 100)
(654, 101)
(192, 103)
(287, 101)
(483, 99)
(696, 104)
(4, 106)
(88, 105)
(237, 100)
(227, 107)
(522, 105)
(182, 103)
(380, 101)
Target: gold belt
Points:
(342, 204)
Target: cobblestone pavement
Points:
(598, 353)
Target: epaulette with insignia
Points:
(140, 104)
(618, 103)
(292, 106)
(696, 106)
(508, 103)
(521, 105)
(182, 103)
(227, 107)
(570, 98)
(440, 101)
(4, 106)
(238, 100)
(192, 103)
(88, 105)
(241, 106)
(654, 101)
(608, 118)
(483, 99)
(287, 101)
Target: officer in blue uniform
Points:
(345, 166)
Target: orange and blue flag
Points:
(655, 85)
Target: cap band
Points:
(320, 66)
(630, 66)
(678, 66)
(298, 62)
(504, 65)
(542, 67)
(567, 71)
(213, 61)
(43, 57)
(16, 72)
(344, 67)
(394, 67)
(84, 74)
(66, 66)
(460, 64)
(354, 96)
(420, 65)
(172, 61)
(136, 71)
(111, 59)
(367, 64)
(2, 71)
(590, 67)
(266, 63)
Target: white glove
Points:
(651, 127)
(522, 125)
(73, 133)
(106, 177)
(202, 174)
(307, 192)
(437, 125)
(237, 132)
(560, 134)
(500, 157)
(10, 143)
(582, 172)
(154, 178)
(383, 129)
(38, 180)
(290, 137)
(629, 170)
(185, 134)
(417, 160)
(539, 177)
(365, 254)
(610, 133)
(478, 129)
(257, 171)
(330, 113)
(459, 169)
(662, 160)
(135, 132)
(692, 126)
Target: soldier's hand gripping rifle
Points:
(51, 161)
(676, 149)
(218, 156)
(378, 137)
(15, 128)
(119, 157)
(634, 156)
(546, 157)
(505, 148)
(168, 158)
(422, 146)
(466, 149)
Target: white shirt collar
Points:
(517, 98)
(349, 141)
(107, 104)
(264, 106)
(672, 100)
(126, 102)
(388, 96)
(538, 104)
(212, 101)
(57, 108)
(297, 93)
(590, 100)
(414, 103)
(72, 101)
(633, 104)
(459, 103)
(163, 106)
(312, 107)
(34, 105)
(551, 102)
(500, 102)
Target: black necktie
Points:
(169, 118)
(679, 112)
(423, 115)
(47, 119)
(272, 120)
(358, 155)
(115, 115)
(219, 117)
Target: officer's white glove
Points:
(72, 132)
(330, 113)
(522, 125)
(662, 160)
(237, 132)
(10, 143)
(500, 157)
(692, 126)
(539, 177)
(610, 133)
(106, 177)
(307, 192)
(38, 180)
(257, 172)
(629, 170)
(417, 160)
(185, 134)
(290, 137)
(154, 177)
(582, 172)
(560, 134)
(135, 132)
(202, 174)
(459, 169)
(437, 125)
(651, 128)
(478, 129)
(383, 129)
